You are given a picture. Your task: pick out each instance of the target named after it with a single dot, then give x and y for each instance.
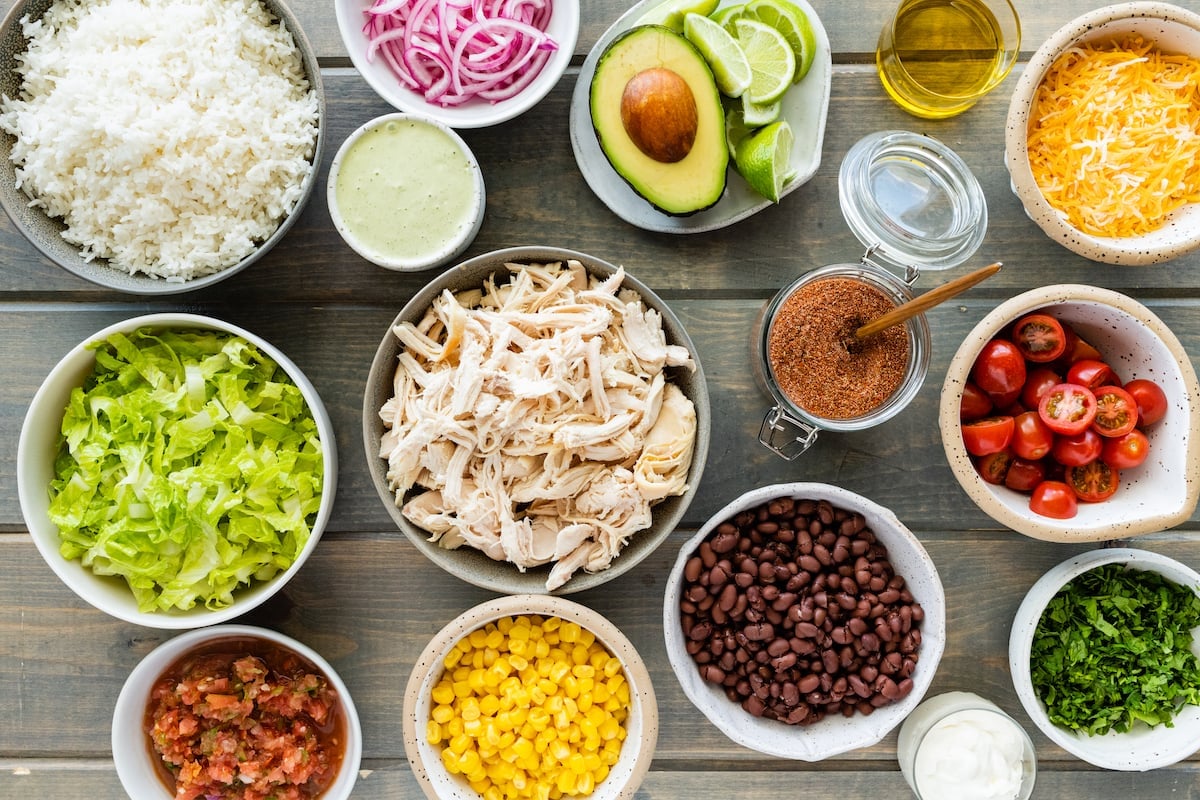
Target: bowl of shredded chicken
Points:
(536, 421)
(1103, 134)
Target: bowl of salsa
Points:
(236, 712)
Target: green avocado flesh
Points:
(697, 180)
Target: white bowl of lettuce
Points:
(176, 471)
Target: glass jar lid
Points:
(912, 199)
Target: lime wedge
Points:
(762, 158)
(725, 16)
(730, 68)
(671, 12)
(772, 62)
(736, 128)
(790, 20)
(755, 115)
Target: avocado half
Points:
(639, 59)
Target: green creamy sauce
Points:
(405, 190)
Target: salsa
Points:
(242, 719)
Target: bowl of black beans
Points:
(804, 620)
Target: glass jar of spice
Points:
(915, 205)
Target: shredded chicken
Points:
(533, 419)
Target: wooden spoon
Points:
(926, 301)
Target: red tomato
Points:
(1116, 411)
(1032, 438)
(1093, 482)
(987, 435)
(1024, 475)
(1126, 452)
(1068, 408)
(975, 403)
(994, 466)
(1091, 373)
(1039, 337)
(1151, 400)
(1077, 349)
(1077, 450)
(999, 370)
(1053, 499)
(1037, 382)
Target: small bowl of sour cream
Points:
(406, 193)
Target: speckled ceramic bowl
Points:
(1160, 493)
(1141, 748)
(835, 734)
(472, 565)
(44, 232)
(1173, 29)
(641, 726)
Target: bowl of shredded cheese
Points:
(530, 696)
(1103, 134)
(157, 147)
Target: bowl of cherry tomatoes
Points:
(1066, 415)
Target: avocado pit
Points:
(660, 115)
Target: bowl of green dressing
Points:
(405, 192)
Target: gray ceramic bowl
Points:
(469, 564)
(44, 233)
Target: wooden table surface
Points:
(369, 602)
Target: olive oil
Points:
(936, 58)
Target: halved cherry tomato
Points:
(993, 467)
(1054, 499)
(1116, 411)
(1126, 452)
(1039, 337)
(1091, 373)
(987, 435)
(1077, 349)
(1068, 408)
(1032, 438)
(999, 370)
(1024, 475)
(1037, 382)
(975, 403)
(1151, 400)
(1077, 450)
(1093, 482)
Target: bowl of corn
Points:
(529, 696)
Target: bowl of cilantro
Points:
(175, 471)
(1104, 658)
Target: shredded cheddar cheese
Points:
(1114, 136)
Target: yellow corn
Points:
(530, 708)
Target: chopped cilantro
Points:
(1114, 647)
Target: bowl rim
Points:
(1020, 647)
(449, 250)
(508, 579)
(630, 770)
(564, 20)
(98, 271)
(803, 742)
(1047, 528)
(136, 691)
(1131, 251)
(31, 493)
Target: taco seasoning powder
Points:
(815, 360)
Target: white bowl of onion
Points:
(493, 64)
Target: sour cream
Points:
(405, 192)
(959, 746)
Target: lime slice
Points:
(762, 158)
(772, 62)
(725, 16)
(730, 68)
(736, 128)
(755, 115)
(790, 20)
(671, 12)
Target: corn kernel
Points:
(450, 761)
(433, 732)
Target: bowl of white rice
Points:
(157, 146)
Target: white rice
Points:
(171, 136)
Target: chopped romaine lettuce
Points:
(190, 465)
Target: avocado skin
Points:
(697, 181)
